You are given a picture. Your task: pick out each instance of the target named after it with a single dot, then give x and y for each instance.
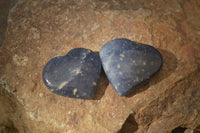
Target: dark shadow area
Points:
(9, 128)
(129, 126)
(197, 129)
(5, 6)
(168, 67)
(102, 84)
(178, 130)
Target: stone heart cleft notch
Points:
(128, 64)
(74, 75)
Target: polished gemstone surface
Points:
(128, 64)
(74, 75)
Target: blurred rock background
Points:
(34, 31)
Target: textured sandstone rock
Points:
(40, 30)
(5, 6)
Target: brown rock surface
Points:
(5, 6)
(40, 30)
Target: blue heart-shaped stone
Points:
(128, 64)
(74, 75)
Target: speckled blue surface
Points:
(128, 64)
(74, 75)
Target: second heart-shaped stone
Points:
(74, 75)
(128, 64)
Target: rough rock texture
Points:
(40, 30)
(5, 6)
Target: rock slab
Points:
(41, 30)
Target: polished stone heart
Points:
(128, 64)
(74, 75)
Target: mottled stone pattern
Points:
(41, 30)
(128, 64)
(75, 75)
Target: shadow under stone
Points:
(102, 84)
(168, 67)
(179, 130)
(129, 126)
